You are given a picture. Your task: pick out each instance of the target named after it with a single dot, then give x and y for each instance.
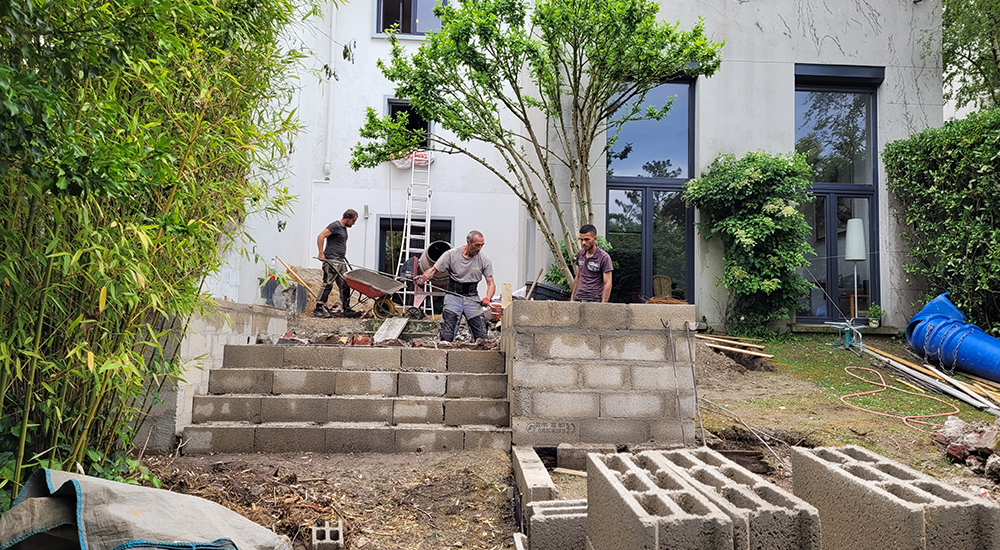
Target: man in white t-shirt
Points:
(465, 266)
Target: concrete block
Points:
(361, 358)
(254, 356)
(664, 377)
(360, 439)
(547, 374)
(574, 455)
(617, 430)
(567, 345)
(431, 384)
(532, 479)
(481, 438)
(566, 404)
(316, 357)
(634, 347)
(493, 412)
(603, 375)
(543, 313)
(476, 361)
(436, 439)
(418, 411)
(200, 440)
(366, 383)
(284, 438)
(851, 485)
(304, 382)
(359, 409)
(521, 403)
(523, 345)
(557, 524)
(520, 541)
(328, 537)
(649, 316)
(222, 381)
(428, 360)
(673, 432)
(294, 409)
(224, 408)
(605, 316)
(477, 385)
(537, 431)
(631, 405)
(763, 515)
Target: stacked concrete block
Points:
(866, 501)
(557, 525)
(764, 516)
(628, 508)
(600, 373)
(531, 477)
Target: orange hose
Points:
(906, 419)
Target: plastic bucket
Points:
(431, 255)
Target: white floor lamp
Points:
(854, 251)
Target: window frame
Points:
(379, 31)
(391, 102)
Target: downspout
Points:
(328, 162)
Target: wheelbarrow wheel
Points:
(384, 307)
(415, 313)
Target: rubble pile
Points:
(974, 444)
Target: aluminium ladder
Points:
(417, 228)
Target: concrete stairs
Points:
(351, 399)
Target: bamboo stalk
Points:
(738, 350)
(727, 341)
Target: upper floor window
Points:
(659, 149)
(414, 122)
(412, 16)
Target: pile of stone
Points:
(975, 444)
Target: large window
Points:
(414, 122)
(835, 122)
(412, 16)
(648, 225)
(390, 237)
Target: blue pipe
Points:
(940, 334)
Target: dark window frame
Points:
(407, 16)
(395, 223)
(394, 105)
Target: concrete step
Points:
(258, 409)
(362, 358)
(338, 382)
(339, 437)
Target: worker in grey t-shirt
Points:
(465, 266)
(333, 254)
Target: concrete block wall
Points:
(531, 477)
(600, 373)
(866, 501)
(764, 516)
(557, 525)
(629, 507)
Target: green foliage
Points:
(875, 311)
(555, 275)
(949, 192)
(970, 30)
(471, 79)
(751, 203)
(135, 137)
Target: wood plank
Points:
(295, 277)
(738, 350)
(391, 328)
(567, 471)
(726, 340)
(743, 338)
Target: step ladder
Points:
(417, 229)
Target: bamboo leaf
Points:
(103, 299)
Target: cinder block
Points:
(428, 360)
(573, 456)
(532, 479)
(617, 430)
(284, 438)
(631, 405)
(476, 361)
(360, 358)
(566, 404)
(493, 412)
(477, 385)
(628, 508)
(366, 383)
(222, 381)
(417, 439)
(294, 409)
(851, 485)
(662, 377)
(418, 411)
(673, 432)
(328, 537)
(520, 541)
(523, 345)
(255, 356)
(521, 403)
(763, 515)
(224, 408)
(543, 313)
(360, 409)
(605, 316)
(353, 438)
(304, 382)
(431, 384)
(316, 357)
(557, 524)
(634, 347)
(602, 375)
(649, 316)
(217, 439)
(537, 431)
(481, 438)
(567, 345)
(547, 374)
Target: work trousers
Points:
(454, 307)
(333, 273)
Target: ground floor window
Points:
(390, 235)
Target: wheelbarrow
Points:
(375, 286)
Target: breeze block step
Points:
(256, 356)
(557, 525)
(866, 501)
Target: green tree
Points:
(135, 137)
(970, 51)
(543, 90)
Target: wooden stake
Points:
(532, 289)
(743, 338)
(727, 341)
(738, 350)
(295, 276)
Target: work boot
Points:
(321, 312)
(351, 314)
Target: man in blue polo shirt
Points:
(593, 269)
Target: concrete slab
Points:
(391, 328)
(532, 479)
